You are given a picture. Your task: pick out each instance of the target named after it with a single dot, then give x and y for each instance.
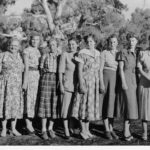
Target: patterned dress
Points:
(48, 102)
(33, 55)
(144, 87)
(11, 99)
(87, 106)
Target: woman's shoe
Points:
(114, 135)
(51, 133)
(3, 133)
(108, 135)
(44, 135)
(15, 133)
(128, 138)
(84, 136)
(90, 135)
(30, 132)
(144, 137)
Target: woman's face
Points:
(53, 45)
(14, 46)
(35, 41)
(91, 43)
(133, 42)
(113, 43)
(73, 46)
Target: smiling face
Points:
(72, 45)
(35, 41)
(91, 42)
(133, 42)
(113, 43)
(14, 46)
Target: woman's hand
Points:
(82, 89)
(62, 89)
(102, 89)
(24, 86)
(139, 66)
(124, 86)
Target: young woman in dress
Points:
(68, 81)
(48, 103)
(108, 74)
(87, 104)
(144, 89)
(127, 66)
(31, 57)
(11, 100)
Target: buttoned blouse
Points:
(109, 59)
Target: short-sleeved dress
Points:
(129, 98)
(48, 101)
(144, 87)
(11, 98)
(87, 106)
(108, 58)
(33, 55)
(68, 66)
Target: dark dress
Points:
(129, 98)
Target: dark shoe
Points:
(114, 135)
(67, 137)
(30, 132)
(108, 135)
(128, 138)
(44, 136)
(51, 133)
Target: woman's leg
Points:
(106, 124)
(65, 108)
(4, 129)
(127, 128)
(50, 128)
(87, 129)
(111, 122)
(83, 132)
(29, 124)
(44, 133)
(13, 127)
(144, 125)
(44, 121)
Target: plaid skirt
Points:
(48, 101)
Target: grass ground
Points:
(96, 128)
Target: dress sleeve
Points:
(80, 58)
(42, 61)
(62, 63)
(26, 52)
(121, 56)
(103, 55)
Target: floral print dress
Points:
(87, 106)
(11, 99)
(33, 55)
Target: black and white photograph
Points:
(74, 73)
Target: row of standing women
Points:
(87, 83)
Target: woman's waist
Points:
(33, 68)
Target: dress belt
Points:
(33, 69)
